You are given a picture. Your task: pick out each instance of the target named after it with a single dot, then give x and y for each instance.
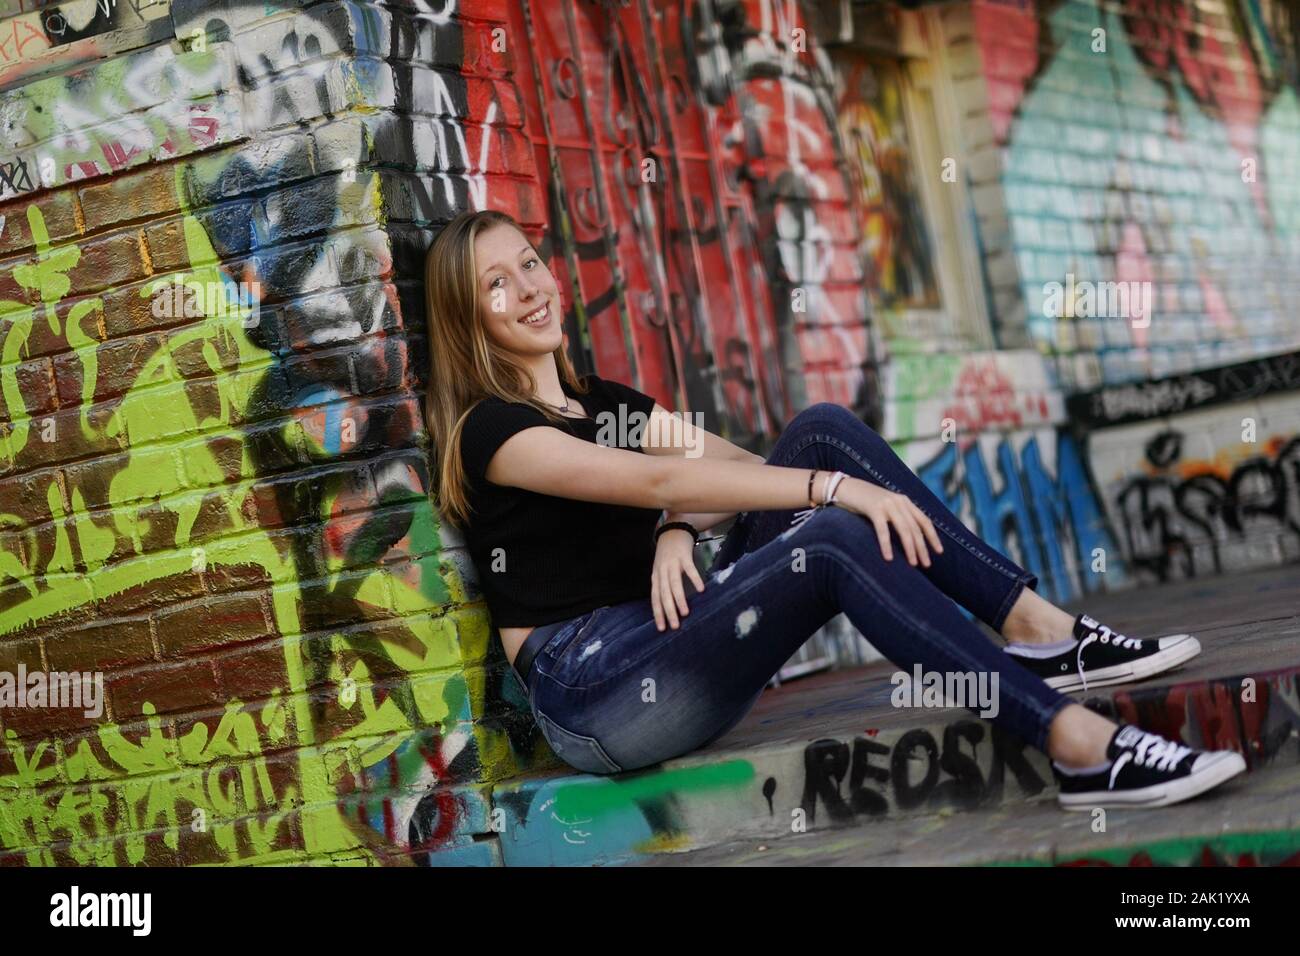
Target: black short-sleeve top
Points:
(541, 558)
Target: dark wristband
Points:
(684, 525)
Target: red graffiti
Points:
(709, 229)
(1007, 34)
(986, 398)
(1215, 63)
(17, 36)
(203, 129)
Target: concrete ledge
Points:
(1251, 821)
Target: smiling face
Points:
(518, 296)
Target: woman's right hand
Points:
(883, 508)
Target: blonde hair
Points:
(465, 365)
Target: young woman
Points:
(625, 666)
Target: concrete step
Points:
(830, 751)
(1249, 821)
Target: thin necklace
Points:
(563, 408)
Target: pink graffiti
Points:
(1132, 264)
(986, 398)
(1007, 34)
(203, 129)
(1216, 65)
(1215, 304)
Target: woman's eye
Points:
(529, 261)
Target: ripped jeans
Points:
(611, 692)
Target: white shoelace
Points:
(1078, 661)
(1150, 750)
(1154, 751)
(1105, 635)
(801, 516)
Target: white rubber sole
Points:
(1179, 652)
(1226, 765)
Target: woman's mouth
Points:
(538, 317)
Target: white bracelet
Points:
(832, 486)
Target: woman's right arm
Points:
(550, 462)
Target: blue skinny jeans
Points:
(612, 693)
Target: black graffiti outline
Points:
(1158, 508)
(15, 176)
(952, 775)
(1182, 393)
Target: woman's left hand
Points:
(674, 556)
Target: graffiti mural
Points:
(968, 394)
(1140, 401)
(1141, 187)
(1028, 494)
(1204, 493)
(37, 37)
(983, 432)
(242, 479)
(223, 506)
(699, 204)
(967, 768)
(893, 229)
(290, 593)
(1257, 715)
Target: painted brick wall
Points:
(1152, 141)
(213, 472)
(223, 506)
(213, 469)
(1149, 142)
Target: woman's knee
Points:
(822, 419)
(828, 418)
(848, 533)
(826, 413)
(834, 524)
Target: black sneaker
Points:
(1098, 656)
(1146, 770)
